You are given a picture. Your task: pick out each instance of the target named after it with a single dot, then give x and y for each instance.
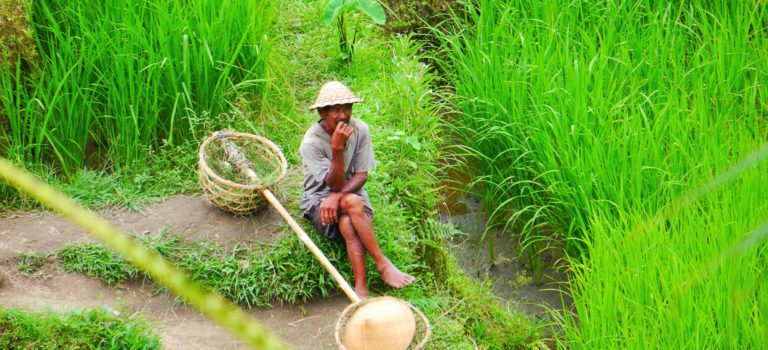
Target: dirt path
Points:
(305, 327)
(191, 217)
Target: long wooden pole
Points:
(236, 157)
(311, 245)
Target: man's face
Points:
(332, 115)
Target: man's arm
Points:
(335, 177)
(355, 183)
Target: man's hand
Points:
(329, 208)
(340, 136)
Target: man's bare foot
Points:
(394, 277)
(362, 292)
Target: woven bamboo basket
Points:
(223, 187)
(420, 338)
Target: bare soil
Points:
(191, 217)
(310, 326)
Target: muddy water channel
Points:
(510, 276)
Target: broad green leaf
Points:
(414, 142)
(373, 9)
(332, 11)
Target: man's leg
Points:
(356, 255)
(352, 206)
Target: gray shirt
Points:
(316, 157)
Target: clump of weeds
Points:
(31, 264)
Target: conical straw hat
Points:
(383, 324)
(334, 93)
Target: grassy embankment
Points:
(401, 107)
(98, 329)
(634, 133)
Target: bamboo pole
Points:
(311, 245)
(236, 156)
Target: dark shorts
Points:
(328, 231)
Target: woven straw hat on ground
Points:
(383, 323)
(334, 93)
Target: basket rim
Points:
(209, 172)
(427, 326)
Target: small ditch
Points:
(510, 277)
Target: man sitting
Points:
(337, 155)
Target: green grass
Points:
(117, 80)
(600, 125)
(257, 275)
(95, 329)
(30, 263)
(172, 170)
(696, 271)
(96, 260)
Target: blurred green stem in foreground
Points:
(212, 305)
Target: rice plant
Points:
(124, 77)
(583, 119)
